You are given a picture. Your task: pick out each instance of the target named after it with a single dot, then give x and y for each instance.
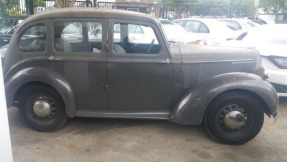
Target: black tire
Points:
(247, 105)
(36, 92)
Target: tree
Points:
(39, 3)
(9, 7)
(244, 8)
(274, 6)
(64, 3)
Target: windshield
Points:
(8, 26)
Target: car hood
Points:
(198, 53)
(265, 49)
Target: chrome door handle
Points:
(167, 61)
(51, 58)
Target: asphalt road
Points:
(85, 139)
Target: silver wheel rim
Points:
(232, 118)
(42, 109)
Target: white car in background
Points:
(211, 31)
(242, 24)
(177, 34)
(271, 42)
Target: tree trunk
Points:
(276, 18)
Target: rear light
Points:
(280, 62)
(204, 42)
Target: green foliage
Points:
(274, 7)
(244, 8)
(39, 3)
(9, 8)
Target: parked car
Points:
(257, 20)
(177, 34)
(51, 79)
(7, 27)
(212, 32)
(271, 42)
(242, 24)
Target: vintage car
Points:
(52, 79)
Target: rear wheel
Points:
(234, 118)
(42, 108)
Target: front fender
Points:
(49, 77)
(192, 106)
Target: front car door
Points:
(139, 70)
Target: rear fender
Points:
(41, 75)
(191, 108)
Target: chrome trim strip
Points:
(218, 61)
(282, 94)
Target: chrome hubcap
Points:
(42, 109)
(234, 120)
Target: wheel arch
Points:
(15, 84)
(191, 108)
(253, 94)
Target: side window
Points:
(71, 37)
(203, 29)
(34, 39)
(135, 39)
(192, 26)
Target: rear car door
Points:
(79, 54)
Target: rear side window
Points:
(193, 26)
(70, 37)
(33, 39)
(203, 29)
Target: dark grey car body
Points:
(178, 84)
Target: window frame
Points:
(154, 27)
(22, 31)
(79, 55)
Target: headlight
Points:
(280, 62)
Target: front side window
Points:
(34, 39)
(134, 39)
(78, 37)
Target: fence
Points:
(171, 11)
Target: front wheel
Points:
(234, 118)
(42, 108)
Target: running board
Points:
(163, 115)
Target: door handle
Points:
(167, 61)
(52, 58)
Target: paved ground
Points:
(85, 139)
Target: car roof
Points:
(91, 13)
(268, 27)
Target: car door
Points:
(82, 59)
(139, 73)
